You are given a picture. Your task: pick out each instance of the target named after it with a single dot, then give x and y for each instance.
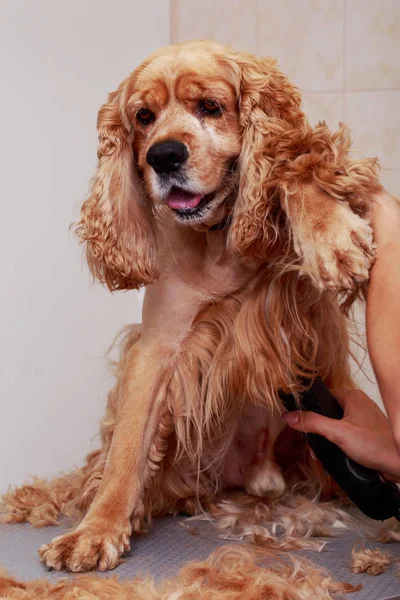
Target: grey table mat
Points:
(169, 545)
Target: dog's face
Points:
(194, 131)
(183, 108)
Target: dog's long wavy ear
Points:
(115, 223)
(269, 115)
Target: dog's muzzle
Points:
(167, 156)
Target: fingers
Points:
(310, 422)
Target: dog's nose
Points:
(167, 156)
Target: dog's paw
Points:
(339, 253)
(86, 548)
(265, 480)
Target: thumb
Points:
(311, 422)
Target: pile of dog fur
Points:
(260, 568)
(230, 573)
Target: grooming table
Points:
(170, 545)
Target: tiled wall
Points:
(343, 54)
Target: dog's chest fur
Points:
(197, 270)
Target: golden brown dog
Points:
(250, 231)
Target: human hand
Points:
(364, 433)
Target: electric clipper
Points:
(375, 496)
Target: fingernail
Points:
(292, 418)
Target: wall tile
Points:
(364, 376)
(306, 36)
(372, 44)
(361, 368)
(231, 22)
(323, 107)
(374, 118)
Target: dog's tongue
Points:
(179, 199)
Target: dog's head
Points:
(186, 133)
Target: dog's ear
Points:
(270, 115)
(116, 223)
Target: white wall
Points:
(59, 61)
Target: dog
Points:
(250, 231)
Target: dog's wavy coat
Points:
(250, 230)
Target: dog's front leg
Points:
(103, 535)
(334, 244)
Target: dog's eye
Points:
(145, 116)
(210, 107)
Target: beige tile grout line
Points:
(256, 28)
(366, 90)
(344, 29)
(344, 48)
(171, 17)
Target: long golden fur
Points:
(244, 298)
(230, 573)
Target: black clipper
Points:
(375, 496)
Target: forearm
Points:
(383, 316)
(383, 310)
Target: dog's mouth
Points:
(188, 205)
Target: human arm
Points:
(365, 434)
(383, 307)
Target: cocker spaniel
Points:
(249, 229)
